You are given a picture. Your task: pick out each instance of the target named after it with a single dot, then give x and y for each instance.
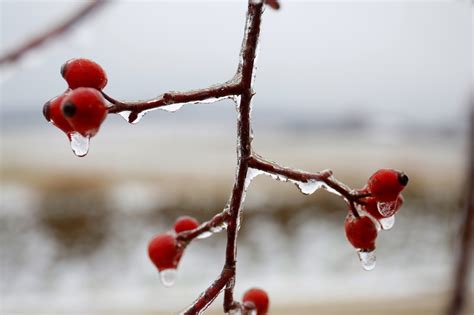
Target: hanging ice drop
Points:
(168, 277)
(309, 187)
(132, 117)
(79, 144)
(387, 223)
(367, 259)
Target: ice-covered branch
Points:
(216, 224)
(176, 99)
(16, 53)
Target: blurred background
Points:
(351, 86)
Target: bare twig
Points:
(463, 267)
(16, 53)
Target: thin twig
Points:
(16, 53)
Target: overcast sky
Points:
(393, 57)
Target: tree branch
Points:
(17, 53)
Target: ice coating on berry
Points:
(81, 72)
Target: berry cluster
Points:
(374, 212)
(166, 249)
(81, 109)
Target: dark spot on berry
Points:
(63, 69)
(403, 179)
(46, 111)
(69, 109)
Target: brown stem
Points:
(226, 89)
(17, 53)
(463, 267)
(351, 196)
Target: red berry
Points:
(85, 110)
(52, 112)
(259, 298)
(361, 232)
(372, 209)
(82, 72)
(386, 184)
(185, 223)
(164, 252)
(274, 4)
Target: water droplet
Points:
(367, 259)
(309, 187)
(132, 117)
(387, 209)
(168, 277)
(387, 223)
(79, 144)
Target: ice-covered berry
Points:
(81, 72)
(185, 223)
(361, 232)
(386, 184)
(85, 110)
(52, 112)
(163, 251)
(259, 298)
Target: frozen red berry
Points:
(52, 112)
(361, 232)
(85, 110)
(164, 252)
(185, 223)
(372, 208)
(386, 184)
(259, 298)
(82, 72)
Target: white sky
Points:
(402, 57)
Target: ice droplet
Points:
(132, 117)
(172, 108)
(367, 259)
(79, 144)
(204, 235)
(309, 187)
(251, 174)
(387, 223)
(212, 230)
(387, 209)
(168, 277)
